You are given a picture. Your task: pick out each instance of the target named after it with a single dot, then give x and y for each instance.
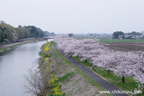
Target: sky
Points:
(75, 16)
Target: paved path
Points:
(16, 43)
(108, 86)
(9, 45)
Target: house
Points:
(129, 36)
(133, 36)
(120, 36)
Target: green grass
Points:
(129, 85)
(124, 40)
(87, 64)
(60, 56)
(66, 76)
(83, 37)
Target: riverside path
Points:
(115, 91)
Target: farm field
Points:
(118, 40)
(124, 45)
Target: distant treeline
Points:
(130, 35)
(9, 33)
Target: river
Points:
(14, 65)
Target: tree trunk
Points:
(108, 72)
(123, 79)
(92, 67)
(91, 64)
(143, 91)
(69, 56)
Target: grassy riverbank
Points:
(73, 81)
(129, 85)
(8, 47)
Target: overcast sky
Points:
(76, 16)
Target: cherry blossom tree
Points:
(121, 63)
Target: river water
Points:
(14, 65)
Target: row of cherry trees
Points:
(121, 63)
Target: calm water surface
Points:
(14, 65)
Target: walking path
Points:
(16, 43)
(115, 91)
(9, 45)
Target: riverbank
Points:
(73, 81)
(7, 47)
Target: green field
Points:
(124, 40)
